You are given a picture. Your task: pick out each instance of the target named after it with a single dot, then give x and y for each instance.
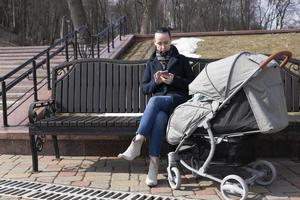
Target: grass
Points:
(223, 46)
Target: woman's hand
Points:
(163, 77)
(157, 77)
(167, 78)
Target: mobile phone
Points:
(165, 73)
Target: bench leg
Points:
(55, 144)
(35, 166)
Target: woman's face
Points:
(162, 42)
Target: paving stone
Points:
(205, 197)
(287, 173)
(2, 174)
(87, 163)
(144, 187)
(8, 198)
(66, 174)
(182, 193)
(161, 189)
(294, 196)
(258, 189)
(81, 183)
(120, 185)
(295, 169)
(295, 181)
(54, 166)
(282, 186)
(120, 176)
(276, 197)
(205, 191)
(62, 181)
(45, 179)
(140, 188)
(287, 162)
(6, 157)
(25, 179)
(97, 176)
(100, 184)
(205, 183)
(44, 174)
(16, 175)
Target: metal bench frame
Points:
(81, 89)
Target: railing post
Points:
(67, 48)
(92, 46)
(48, 69)
(75, 44)
(112, 36)
(108, 40)
(120, 30)
(98, 46)
(124, 26)
(34, 80)
(4, 104)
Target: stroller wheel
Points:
(266, 171)
(174, 178)
(195, 165)
(233, 186)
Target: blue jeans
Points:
(154, 121)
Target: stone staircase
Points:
(13, 57)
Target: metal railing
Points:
(8, 82)
(106, 38)
(61, 46)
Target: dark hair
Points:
(163, 30)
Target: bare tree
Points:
(77, 13)
(149, 6)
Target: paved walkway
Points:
(114, 174)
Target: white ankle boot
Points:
(151, 179)
(134, 149)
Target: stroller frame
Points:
(262, 171)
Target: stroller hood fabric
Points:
(220, 80)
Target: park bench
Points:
(91, 97)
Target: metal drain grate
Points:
(35, 190)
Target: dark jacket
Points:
(183, 76)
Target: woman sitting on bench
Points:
(167, 76)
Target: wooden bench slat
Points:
(142, 97)
(58, 98)
(116, 88)
(122, 96)
(97, 83)
(90, 87)
(128, 88)
(109, 88)
(102, 87)
(71, 118)
(71, 91)
(83, 88)
(65, 85)
(77, 88)
(135, 89)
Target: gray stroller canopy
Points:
(260, 78)
(263, 87)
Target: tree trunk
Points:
(77, 13)
(149, 7)
(79, 20)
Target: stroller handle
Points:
(286, 54)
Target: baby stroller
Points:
(238, 96)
